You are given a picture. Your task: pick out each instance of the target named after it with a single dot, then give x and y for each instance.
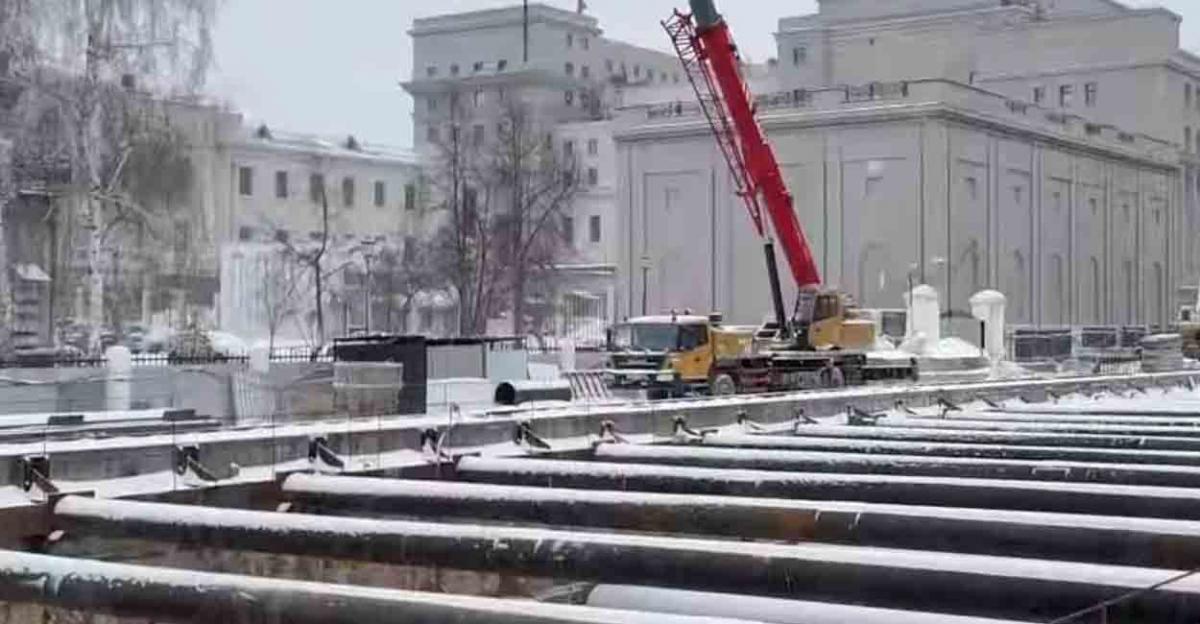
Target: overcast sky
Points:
(332, 67)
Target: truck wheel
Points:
(723, 385)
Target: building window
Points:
(662, 77)
(478, 98)
(675, 78)
(593, 147)
(570, 40)
(245, 234)
(281, 184)
(431, 71)
(585, 43)
(477, 67)
(799, 55)
(569, 97)
(585, 71)
(316, 187)
(1187, 142)
(593, 176)
(1057, 203)
(454, 69)
(477, 134)
(380, 193)
(348, 191)
(637, 71)
(432, 105)
(501, 65)
(1197, 89)
(431, 134)
(1039, 95)
(410, 197)
(568, 230)
(569, 68)
(1093, 206)
(1187, 95)
(568, 149)
(1090, 92)
(608, 65)
(1066, 95)
(594, 228)
(246, 180)
(972, 185)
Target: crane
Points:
(705, 46)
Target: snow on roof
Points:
(347, 147)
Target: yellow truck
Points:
(676, 354)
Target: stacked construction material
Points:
(1162, 352)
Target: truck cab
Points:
(677, 354)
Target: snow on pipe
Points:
(971, 584)
(863, 463)
(1001, 437)
(758, 609)
(954, 449)
(1073, 537)
(935, 420)
(1087, 498)
(168, 594)
(1186, 430)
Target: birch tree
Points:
(100, 64)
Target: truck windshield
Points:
(649, 337)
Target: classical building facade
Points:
(913, 158)
(279, 181)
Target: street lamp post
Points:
(368, 246)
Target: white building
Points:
(910, 135)
(560, 65)
(375, 209)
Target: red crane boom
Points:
(710, 59)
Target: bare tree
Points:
(279, 292)
(96, 62)
(464, 239)
(504, 202)
(541, 185)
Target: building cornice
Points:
(907, 111)
(506, 16)
(530, 76)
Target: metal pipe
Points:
(1190, 430)
(1073, 537)
(518, 392)
(174, 595)
(758, 609)
(862, 463)
(1089, 498)
(934, 420)
(954, 449)
(1001, 437)
(972, 584)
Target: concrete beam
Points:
(1073, 537)
(371, 445)
(862, 463)
(915, 580)
(166, 594)
(1087, 498)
